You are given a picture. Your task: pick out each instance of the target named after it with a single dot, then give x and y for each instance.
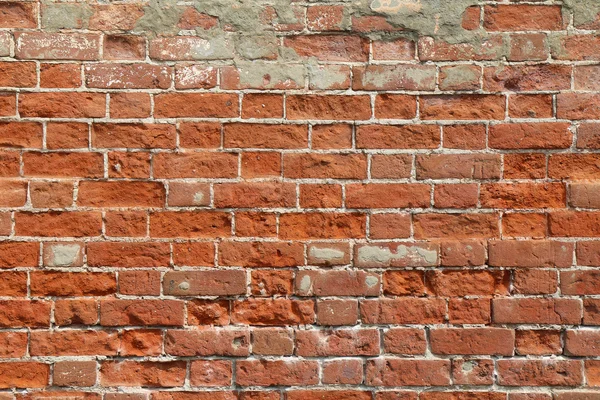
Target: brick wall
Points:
(221, 200)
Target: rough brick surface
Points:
(299, 200)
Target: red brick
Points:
(527, 77)
(261, 254)
(540, 373)
(208, 312)
(273, 341)
(337, 283)
(195, 165)
(211, 373)
(405, 341)
(195, 76)
(530, 136)
(317, 225)
(60, 75)
(405, 372)
(266, 283)
(462, 253)
(67, 135)
(20, 134)
(18, 15)
(492, 47)
(463, 107)
(337, 312)
(145, 136)
(45, 284)
(400, 49)
(139, 283)
(575, 47)
(262, 105)
(200, 134)
(136, 312)
(535, 281)
(276, 372)
(528, 47)
(62, 105)
(57, 46)
(391, 165)
(394, 77)
(121, 194)
(199, 105)
(329, 47)
(525, 166)
(8, 104)
(24, 374)
(404, 283)
(538, 342)
(141, 343)
(325, 18)
(74, 373)
(60, 343)
(577, 106)
(126, 223)
(530, 253)
(13, 344)
(208, 342)
(530, 106)
(343, 372)
(388, 195)
(455, 195)
(24, 313)
(524, 225)
(536, 311)
(449, 283)
(124, 47)
(129, 105)
(456, 226)
(522, 17)
(470, 166)
(63, 164)
(193, 254)
(475, 372)
(333, 166)
(142, 373)
(464, 137)
(76, 312)
(574, 224)
(469, 311)
(395, 106)
(123, 254)
(398, 137)
(328, 107)
(204, 283)
(63, 224)
(115, 16)
(127, 76)
(320, 196)
(265, 136)
(460, 77)
(265, 312)
(190, 224)
(18, 74)
(523, 195)
(389, 226)
(403, 311)
(493, 341)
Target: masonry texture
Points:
(290, 200)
